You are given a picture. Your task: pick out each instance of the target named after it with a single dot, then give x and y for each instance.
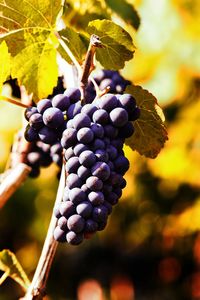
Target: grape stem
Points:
(37, 288)
(88, 65)
(14, 101)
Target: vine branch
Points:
(37, 288)
(88, 65)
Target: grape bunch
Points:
(105, 78)
(42, 155)
(95, 165)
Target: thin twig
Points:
(14, 101)
(37, 288)
(88, 65)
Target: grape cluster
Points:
(95, 165)
(105, 78)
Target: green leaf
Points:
(21, 19)
(126, 11)
(150, 132)
(79, 13)
(118, 44)
(4, 64)
(27, 26)
(36, 67)
(12, 268)
(75, 42)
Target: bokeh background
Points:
(150, 249)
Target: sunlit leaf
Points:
(26, 26)
(12, 268)
(118, 44)
(126, 11)
(36, 68)
(4, 64)
(76, 43)
(150, 131)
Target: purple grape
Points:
(36, 121)
(108, 206)
(69, 137)
(119, 117)
(84, 209)
(87, 158)
(100, 214)
(53, 117)
(117, 143)
(74, 238)
(83, 172)
(79, 148)
(89, 109)
(73, 181)
(96, 197)
(94, 183)
(72, 165)
(110, 131)
(107, 188)
(70, 124)
(69, 153)
(85, 189)
(48, 135)
(81, 120)
(29, 112)
(74, 109)
(127, 130)
(107, 82)
(90, 226)
(100, 116)
(62, 223)
(108, 102)
(43, 104)
(76, 195)
(56, 212)
(59, 235)
(31, 134)
(66, 194)
(97, 130)
(121, 164)
(61, 101)
(123, 184)
(101, 170)
(85, 135)
(98, 144)
(73, 94)
(34, 158)
(76, 223)
(128, 102)
(101, 155)
(56, 149)
(112, 152)
(113, 198)
(67, 209)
